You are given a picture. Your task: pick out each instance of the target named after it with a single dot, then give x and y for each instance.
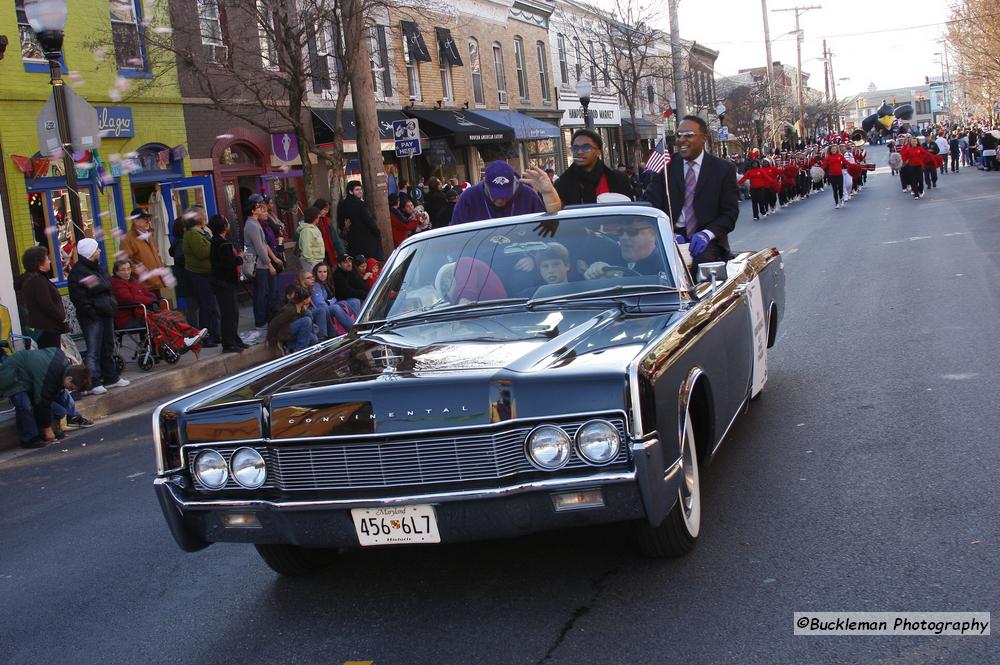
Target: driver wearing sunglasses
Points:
(637, 244)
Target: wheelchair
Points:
(138, 341)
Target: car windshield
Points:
(512, 263)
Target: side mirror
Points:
(713, 272)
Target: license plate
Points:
(399, 525)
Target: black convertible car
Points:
(504, 377)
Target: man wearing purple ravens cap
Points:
(502, 194)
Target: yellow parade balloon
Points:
(886, 121)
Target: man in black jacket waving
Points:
(704, 199)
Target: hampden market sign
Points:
(605, 114)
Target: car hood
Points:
(444, 373)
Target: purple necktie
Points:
(690, 182)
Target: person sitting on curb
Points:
(346, 282)
(292, 325)
(38, 382)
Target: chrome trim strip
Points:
(736, 415)
(673, 468)
(609, 477)
(549, 419)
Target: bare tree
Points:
(632, 58)
(974, 34)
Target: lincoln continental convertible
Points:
(504, 377)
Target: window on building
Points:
(579, 60)
(606, 65)
(268, 47)
(127, 35)
(563, 65)
(447, 91)
(543, 70)
(31, 50)
(650, 98)
(923, 107)
(412, 71)
(522, 74)
(210, 22)
(381, 70)
(501, 77)
(476, 70)
(593, 62)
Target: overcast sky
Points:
(885, 43)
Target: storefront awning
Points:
(525, 127)
(462, 127)
(643, 130)
(324, 120)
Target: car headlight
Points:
(210, 469)
(598, 441)
(548, 447)
(248, 468)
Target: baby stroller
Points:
(137, 340)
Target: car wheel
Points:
(295, 561)
(678, 533)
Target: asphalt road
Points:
(865, 479)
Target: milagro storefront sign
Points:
(115, 122)
(605, 114)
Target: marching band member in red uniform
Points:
(760, 188)
(914, 157)
(834, 165)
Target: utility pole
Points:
(770, 73)
(677, 60)
(833, 89)
(798, 52)
(826, 75)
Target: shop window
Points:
(31, 50)
(522, 74)
(543, 70)
(593, 62)
(53, 226)
(130, 52)
(475, 69)
(541, 154)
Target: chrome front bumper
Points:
(511, 510)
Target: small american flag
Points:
(658, 159)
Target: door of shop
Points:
(184, 193)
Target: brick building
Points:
(143, 149)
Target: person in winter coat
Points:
(37, 382)
(435, 202)
(361, 231)
(292, 325)
(332, 243)
(41, 298)
(914, 157)
(90, 292)
(226, 266)
(588, 176)
(346, 282)
(167, 328)
(324, 310)
(140, 247)
(323, 289)
(310, 240)
(183, 287)
(198, 263)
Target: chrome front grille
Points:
(401, 462)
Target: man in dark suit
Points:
(704, 199)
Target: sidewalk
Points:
(162, 381)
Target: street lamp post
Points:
(48, 18)
(583, 90)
